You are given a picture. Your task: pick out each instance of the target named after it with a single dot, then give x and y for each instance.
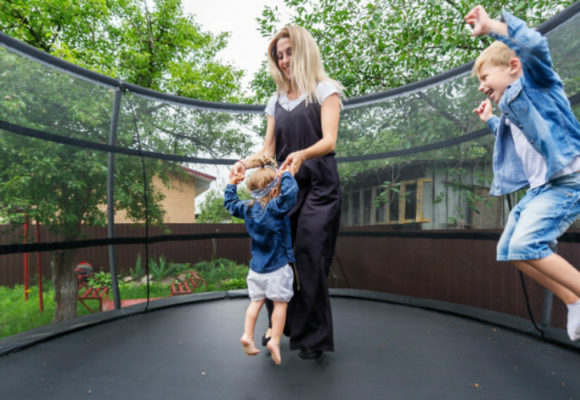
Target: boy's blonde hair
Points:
(498, 53)
(306, 63)
(260, 178)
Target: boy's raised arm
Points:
(483, 24)
(529, 45)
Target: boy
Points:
(537, 144)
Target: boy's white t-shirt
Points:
(534, 164)
(323, 90)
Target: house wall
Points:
(179, 201)
(447, 204)
(444, 200)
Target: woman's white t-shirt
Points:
(323, 90)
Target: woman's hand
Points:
(283, 168)
(293, 162)
(239, 168)
(235, 177)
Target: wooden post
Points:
(26, 258)
(39, 270)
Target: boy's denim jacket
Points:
(268, 227)
(537, 104)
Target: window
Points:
(402, 203)
(410, 209)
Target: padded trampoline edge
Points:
(20, 341)
(517, 324)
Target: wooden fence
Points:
(193, 251)
(455, 270)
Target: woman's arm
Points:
(329, 118)
(267, 150)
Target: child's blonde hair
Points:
(261, 178)
(306, 63)
(498, 53)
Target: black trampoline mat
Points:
(383, 351)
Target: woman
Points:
(302, 129)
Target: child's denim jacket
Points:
(268, 227)
(537, 104)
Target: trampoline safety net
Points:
(414, 162)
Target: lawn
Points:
(18, 315)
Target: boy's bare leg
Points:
(562, 279)
(278, 321)
(247, 339)
(559, 270)
(563, 293)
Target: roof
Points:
(198, 174)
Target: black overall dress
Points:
(315, 222)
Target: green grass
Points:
(18, 315)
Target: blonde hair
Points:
(306, 64)
(498, 53)
(261, 178)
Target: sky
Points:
(246, 48)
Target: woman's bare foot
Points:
(249, 346)
(274, 351)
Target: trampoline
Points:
(385, 348)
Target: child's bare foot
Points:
(249, 346)
(274, 351)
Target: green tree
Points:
(212, 210)
(376, 45)
(156, 46)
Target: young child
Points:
(537, 145)
(266, 218)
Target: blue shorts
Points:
(540, 217)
